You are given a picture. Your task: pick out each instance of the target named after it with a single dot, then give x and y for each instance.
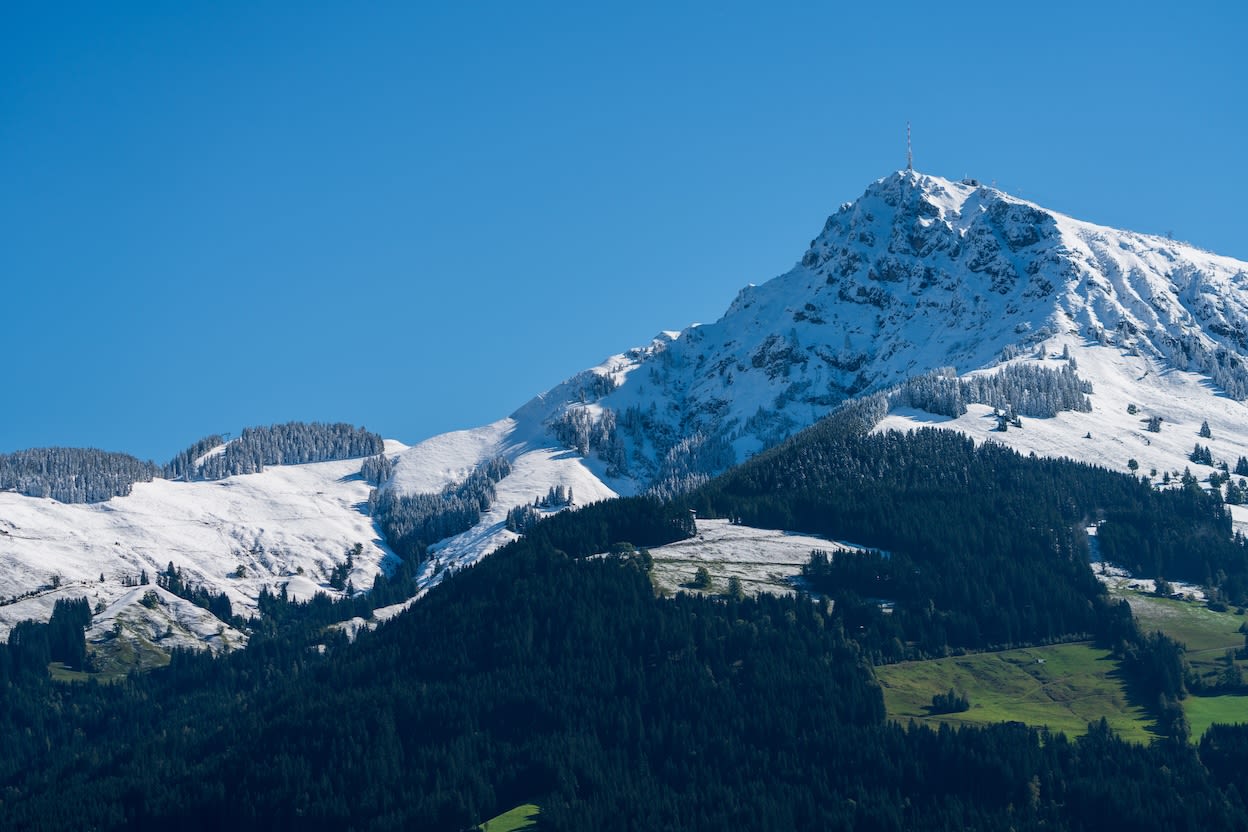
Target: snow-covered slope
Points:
(921, 273)
(288, 526)
(1128, 391)
(763, 560)
(538, 462)
(163, 620)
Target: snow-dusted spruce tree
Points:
(522, 518)
(377, 469)
(557, 497)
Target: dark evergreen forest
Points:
(539, 676)
(995, 539)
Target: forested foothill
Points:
(985, 547)
(542, 676)
(551, 673)
(979, 547)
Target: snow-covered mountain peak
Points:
(918, 274)
(918, 194)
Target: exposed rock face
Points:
(917, 274)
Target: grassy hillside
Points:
(1067, 686)
(1203, 711)
(1063, 687)
(515, 820)
(1207, 634)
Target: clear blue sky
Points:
(414, 216)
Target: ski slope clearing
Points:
(163, 617)
(764, 560)
(140, 629)
(521, 817)
(1122, 584)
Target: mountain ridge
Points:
(918, 275)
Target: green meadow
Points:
(1207, 634)
(521, 817)
(1063, 687)
(1203, 711)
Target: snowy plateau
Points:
(920, 277)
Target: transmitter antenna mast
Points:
(909, 149)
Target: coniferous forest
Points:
(291, 443)
(73, 475)
(551, 674)
(541, 676)
(89, 475)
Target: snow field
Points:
(763, 559)
(169, 621)
(289, 524)
(1119, 380)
